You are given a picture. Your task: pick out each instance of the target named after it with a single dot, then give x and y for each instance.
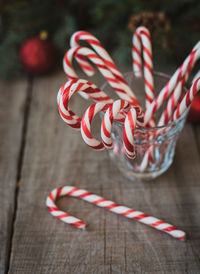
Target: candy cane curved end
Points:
(110, 205)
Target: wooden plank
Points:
(12, 102)
(56, 156)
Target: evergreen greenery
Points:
(107, 19)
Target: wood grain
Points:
(12, 101)
(56, 156)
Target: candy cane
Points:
(128, 133)
(109, 116)
(96, 45)
(129, 126)
(172, 83)
(181, 108)
(173, 100)
(71, 87)
(101, 202)
(112, 112)
(187, 100)
(86, 125)
(91, 55)
(142, 38)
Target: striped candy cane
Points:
(187, 100)
(142, 39)
(172, 83)
(113, 111)
(86, 125)
(96, 45)
(129, 126)
(110, 115)
(181, 108)
(66, 92)
(101, 202)
(173, 100)
(92, 56)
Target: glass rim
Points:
(183, 116)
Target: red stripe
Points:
(58, 191)
(136, 50)
(63, 216)
(141, 216)
(169, 229)
(79, 34)
(135, 62)
(105, 129)
(100, 146)
(149, 67)
(128, 212)
(99, 201)
(112, 80)
(146, 50)
(78, 224)
(137, 34)
(128, 145)
(111, 206)
(144, 32)
(51, 208)
(85, 194)
(51, 197)
(85, 128)
(94, 42)
(72, 191)
(149, 85)
(157, 223)
(86, 67)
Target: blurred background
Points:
(45, 27)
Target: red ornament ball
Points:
(194, 113)
(38, 56)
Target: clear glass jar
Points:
(154, 147)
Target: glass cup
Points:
(154, 147)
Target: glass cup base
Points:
(138, 176)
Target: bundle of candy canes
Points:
(127, 109)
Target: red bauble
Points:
(194, 113)
(38, 56)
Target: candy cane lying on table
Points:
(103, 54)
(172, 83)
(101, 202)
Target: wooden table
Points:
(39, 152)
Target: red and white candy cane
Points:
(173, 100)
(142, 39)
(110, 115)
(71, 87)
(187, 100)
(128, 133)
(113, 111)
(129, 126)
(86, 125)
(93, 57)
(112, 206)
(181, 108)
(172, 83)
(97, 46)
